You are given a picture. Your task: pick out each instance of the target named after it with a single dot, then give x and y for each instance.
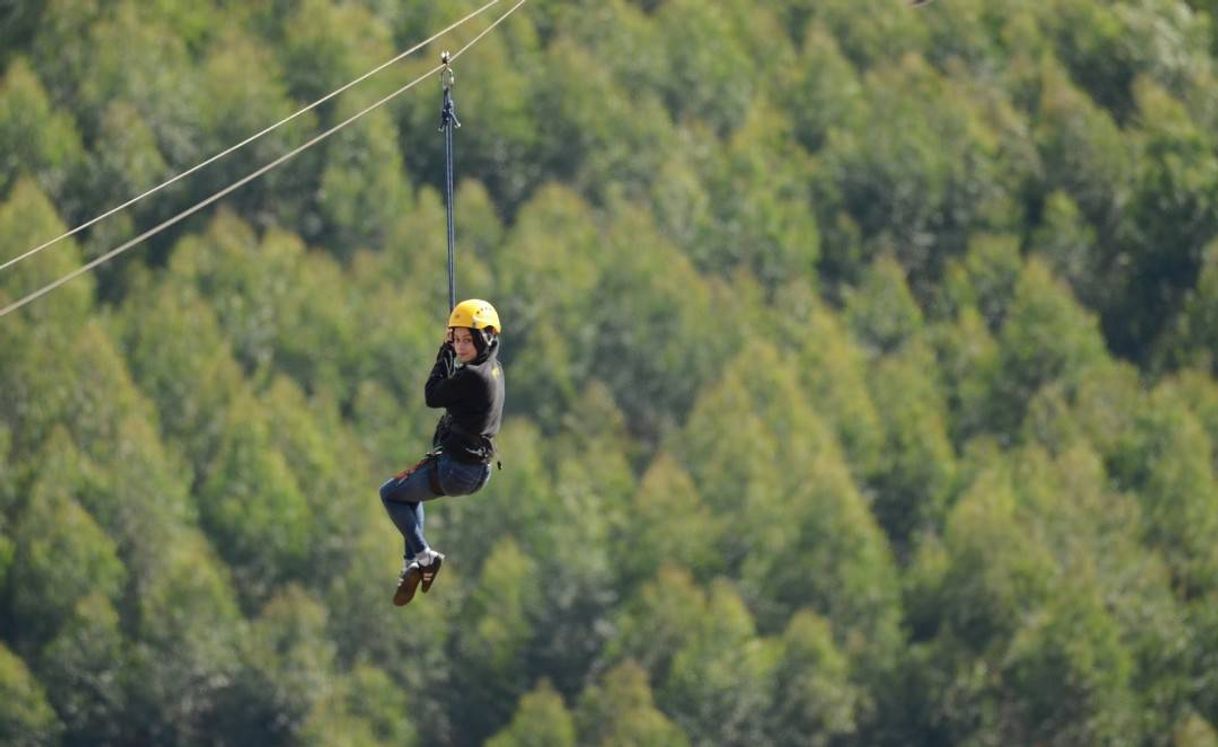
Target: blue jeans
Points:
(404, 498)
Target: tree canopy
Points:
(860, 359)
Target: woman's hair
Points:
(483, 338)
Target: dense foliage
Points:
(860, 358)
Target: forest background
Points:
(860, 362)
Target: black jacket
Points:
(472, 395)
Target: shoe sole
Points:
(430, 572)
(406, 588)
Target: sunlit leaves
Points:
(36, 140)
(25, 715)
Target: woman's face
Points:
(463, 343)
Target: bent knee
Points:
(387, 489)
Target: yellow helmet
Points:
(476, 314)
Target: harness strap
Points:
(431, 463)
(433, 477)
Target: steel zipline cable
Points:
(250, 177)
(245, 142)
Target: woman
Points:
(467, 381)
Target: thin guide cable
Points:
(246, 179)
(245, 142)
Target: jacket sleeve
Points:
(445, 384)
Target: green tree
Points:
(1107, 47)
(244, 282)
(669, 523)
(916, 469)
(1069, 245)
(656, 621)
(541, 721)
(881, 312)
(546, 271)
(990, 571)
(1168, 461)
(1070, 675)
(970, 36)
(365, 709)
(327, 464)
(182, 361)
(765, 461)
(870, 32)
(1047, 338)
(711, 82)
(1195, 732)
(82, 385)
(1194, 335)
(19, 21)
(767, 228)
(985, 278)
(26, 718)
(681, 196)
(185, 644)
(1204, 623)
(653, 307)
(1109, 428)
(127, 162)
(252, 506)
(571, 621)
(619, 712)
(27, 219)
(966, 598)
(815, 703)
(718, 685)
(1172, 214)
(83, 670)
(165, 90)
(1201, 391)
(415, 652)
(545, 373)
(490, 654)
(833, 369)
(824, 90)
(327, 44)
(36, 140)
(246, 91)
(288, 668)
(593, 131)
(621, 36)
(363, 188)
(918, 178)
(55, 541)
(1098, 544)
(1086, 159)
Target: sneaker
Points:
(407, 583)
(430, 569)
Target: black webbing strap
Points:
(448, 123)
(433, 475)
(431, 463)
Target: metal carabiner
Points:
(448, 78)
